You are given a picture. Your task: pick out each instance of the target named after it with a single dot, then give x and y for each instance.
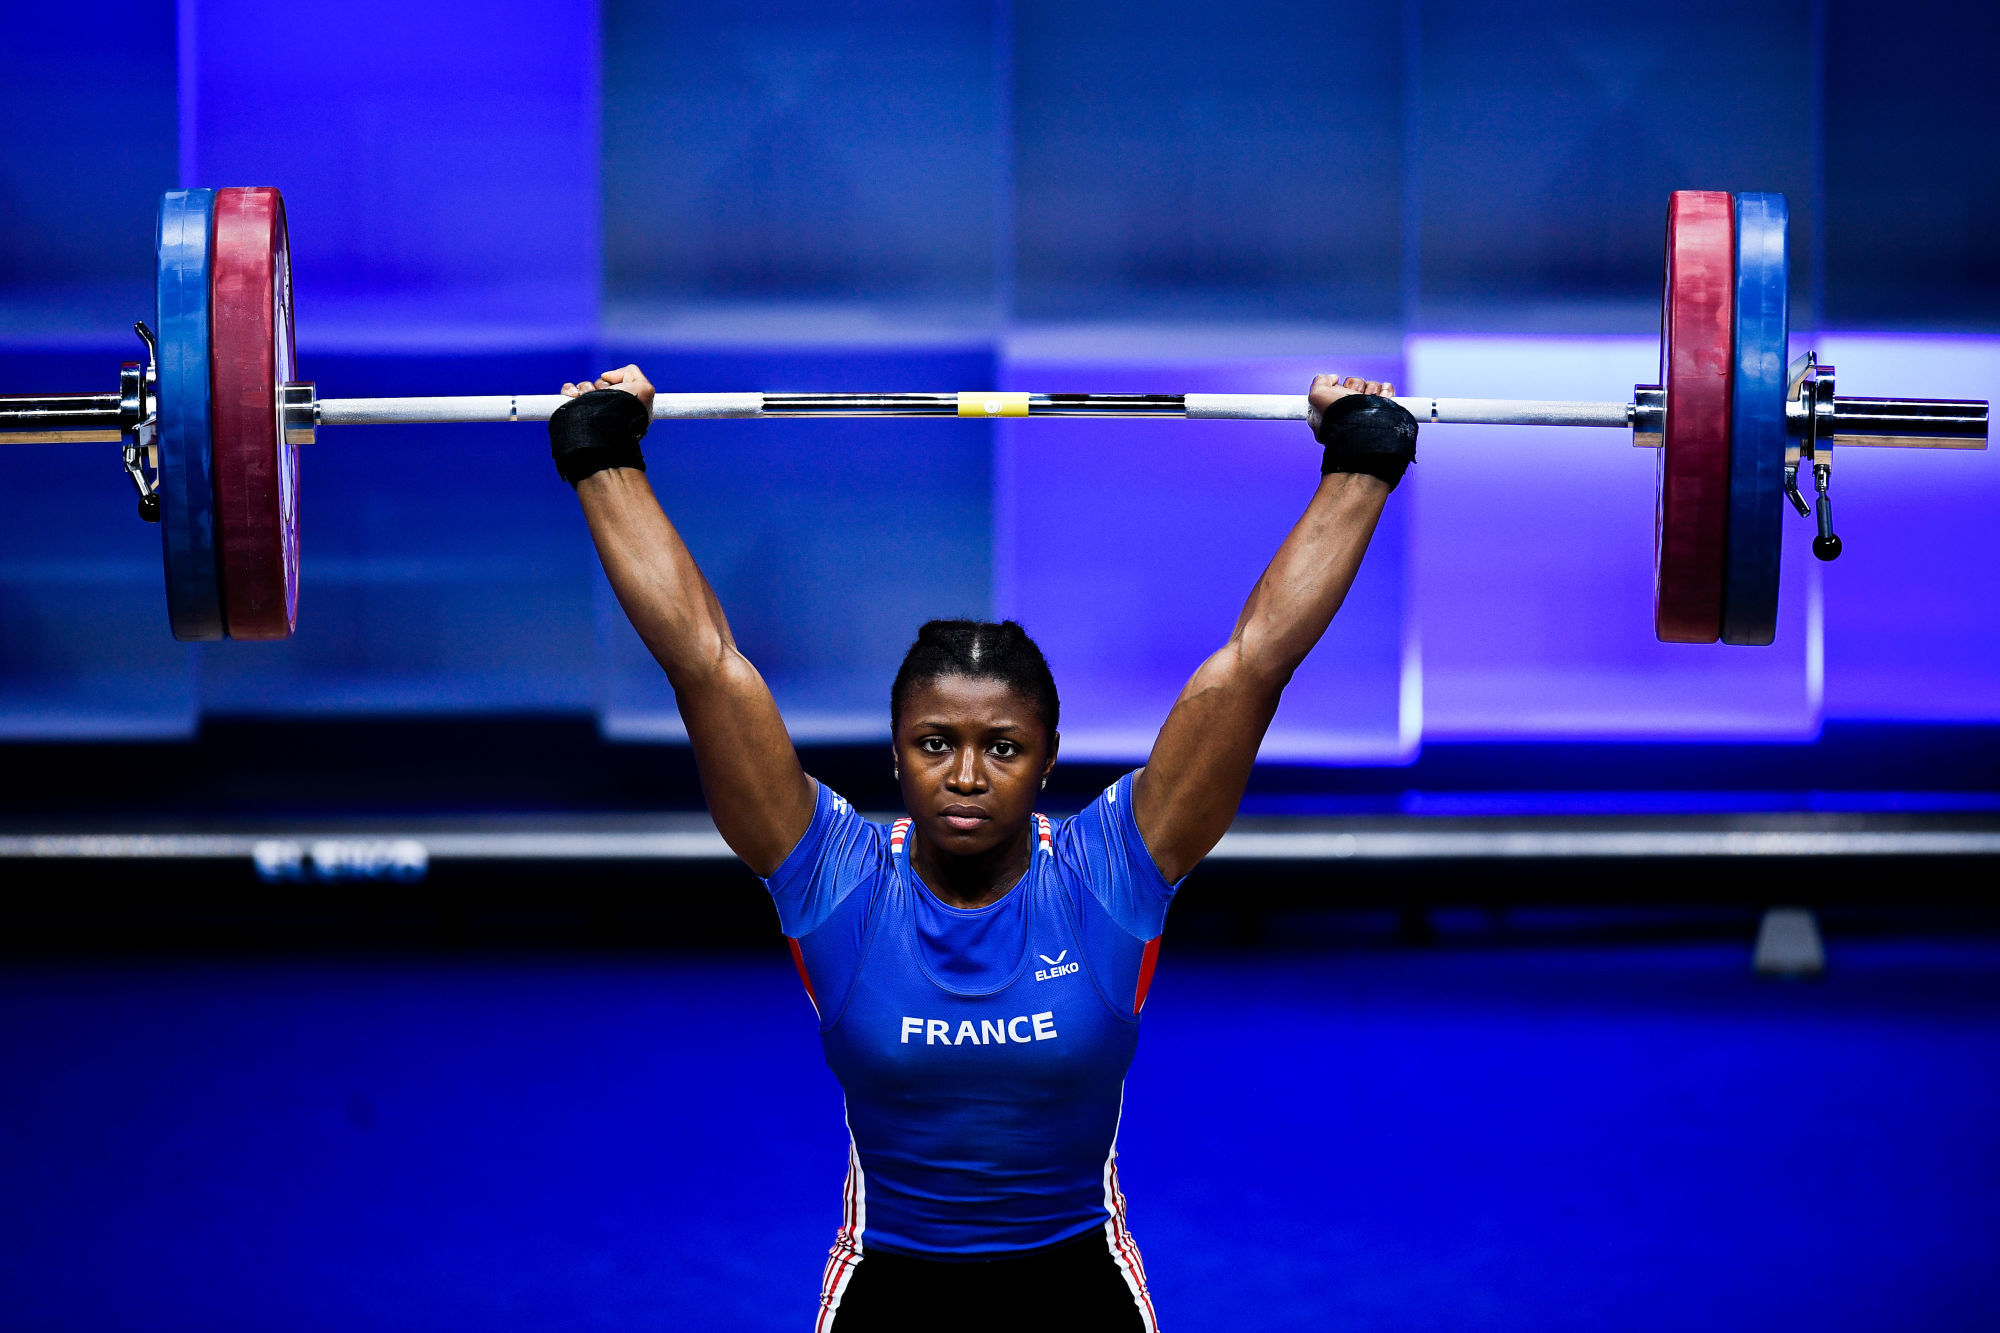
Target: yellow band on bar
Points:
(993, 404)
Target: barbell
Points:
(212, 421)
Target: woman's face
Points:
(970, 753)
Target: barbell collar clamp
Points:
(1826, 544)
(1649, 416)
(138, 413)
(300, 405)
(1808, 396)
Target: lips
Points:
(964, 818)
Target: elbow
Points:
(1240, 671)
(700, 661)
(1261, 662)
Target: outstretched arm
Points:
(1186, 796)
(760, 798)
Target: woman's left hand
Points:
(629, 378)
(1330, 389)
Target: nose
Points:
(966, 777)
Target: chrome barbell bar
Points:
(1892, 422)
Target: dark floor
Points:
(1563, 1122)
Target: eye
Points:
(1005, 749)
(933, 745)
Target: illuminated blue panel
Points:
(1534, 570)
(84, 647)
(442, 568)
(828, 542)
(1911, 181)
(1553, 131)
(1912, 619)
(88, 105)
(1127, 548)
(439, 164)
(1174, 160)
(779, 150)
(442, 197)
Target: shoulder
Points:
(1101, 849)
(839, 851)
(1106, 824)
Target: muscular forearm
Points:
(1307, 580)
(761, 799)
(1188, 792)
(655, 578)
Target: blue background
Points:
(1464, 196)
(1461, 195)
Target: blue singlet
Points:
(983, 1052)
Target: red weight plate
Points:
(1697, 358)
(256, 472)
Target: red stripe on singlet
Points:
(799, 962)
(1146, 961)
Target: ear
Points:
(1049, 765)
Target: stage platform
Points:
(406, 850)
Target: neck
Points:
(972, 881)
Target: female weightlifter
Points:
(978, 968)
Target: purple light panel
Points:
(1534, 569)
(1912, 616)
(439, 161)
(440, 170)
(827, 542)
(1127, 549)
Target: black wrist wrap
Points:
(1364, 432)
(597, 430)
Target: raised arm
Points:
(1186, 796)
(760, 798)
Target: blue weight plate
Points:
(1757, 423)
(187, 488)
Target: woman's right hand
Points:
(597, 434)
(1329, 389)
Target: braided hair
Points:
(982, 650)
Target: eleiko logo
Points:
(1056, 966)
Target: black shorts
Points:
(1078, 1285)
